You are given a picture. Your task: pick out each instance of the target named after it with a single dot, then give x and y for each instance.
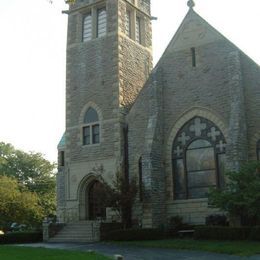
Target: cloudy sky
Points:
(32, 59)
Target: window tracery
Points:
(198, 156)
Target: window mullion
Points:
(185, 176)
(91, 134)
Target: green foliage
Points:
(25, 253)
(123, 197)
(216, 220)
(106, 228)
(17, 204)
(31, 170)
(134, 234)
(241, 195)
(255, 233)
(175, 222)
(21, 237)
(120, 196)
(222, 233)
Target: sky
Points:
(32, 60)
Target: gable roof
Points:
(195, 31)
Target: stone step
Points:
(76, 232)
(71, 240)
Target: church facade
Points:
(176, 128)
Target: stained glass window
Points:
(198, 159)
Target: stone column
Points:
(153, 170)
(237, 143)
(45, 229)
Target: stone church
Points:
(175, 127)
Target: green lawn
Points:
(241, 248)
(26, 253)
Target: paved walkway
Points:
(137, 253)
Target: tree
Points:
(17, 204)
(120, 195)
(123, 197)
(32, 171)
(241, 195)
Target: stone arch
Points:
(82, 192)
(177, 125)
(86, 107)
(81, 119)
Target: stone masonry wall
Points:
(135, 60)
(99, 74)
(251, 81)
(207, 86)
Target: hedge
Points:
(106, 228)
(21, 237)
(226, 233)
(255, 233)
(134, 234)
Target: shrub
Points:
(216, 220)
(135, 234)
(241, 195)
(21, 237)
(106, 228)
(222, 233)
(255, 233)
(175, 224)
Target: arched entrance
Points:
(96, 198)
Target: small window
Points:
(91, 131)
(101, 22)
(128, 23)
(87, 27)
(62, 158)
(258, 150)
(138, 29)
(193, 55)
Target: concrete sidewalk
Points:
(138, 253)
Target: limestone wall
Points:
(251, 81)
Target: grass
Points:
(240, 248)
(26, 253)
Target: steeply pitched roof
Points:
(62, 142)
(194, 31)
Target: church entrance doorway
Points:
(96, 201)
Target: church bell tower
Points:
(109, 58)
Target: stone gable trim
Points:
(86, 107)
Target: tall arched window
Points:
(258, 150)
(198, 159)
(140, 173)
(91, 131)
